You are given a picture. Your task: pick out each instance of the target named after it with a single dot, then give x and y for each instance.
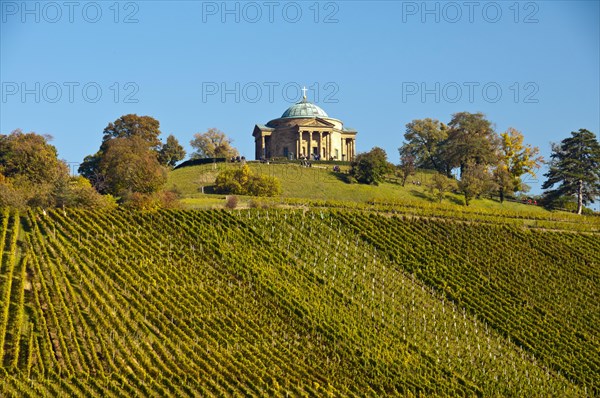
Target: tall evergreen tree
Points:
(575, 167)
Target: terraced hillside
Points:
(294, 302)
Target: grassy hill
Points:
(319, 183)
(319, 186)
(322, 302)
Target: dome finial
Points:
(304, 90)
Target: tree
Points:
(171, 152)
(474, 181)
(504, 180)
(575, 167)
(406, 167)
(212, 144)
(145, 127)
(30, 156)
(143, 130)
(440, 185)
(516, 159)
(31, 172)
(32, 175)
(90, 169)
(79, 192)
(424, 138)
(471, 141)
(129, 167)
(370, 167)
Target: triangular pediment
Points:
(316, 122)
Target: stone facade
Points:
(304, 132)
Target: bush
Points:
(440, 185)
(151, 201)
(370, 167)
(231, 202)
(242, 181)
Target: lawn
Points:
(320, 183)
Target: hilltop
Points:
(320, 186)
(318, 182)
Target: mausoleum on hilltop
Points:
(305, 131)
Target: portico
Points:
(305, 131)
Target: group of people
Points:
(315, 157)
(237, 159)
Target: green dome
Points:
(303, 109)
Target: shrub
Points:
(242, 181)
(231, 202)
(151, 201)
(370, 167)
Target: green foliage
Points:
(33, 176)
(128, 126)
(406, 168)
(575, 168)
(310, 184)
(440, 185)
(471, 139)
(90, 169)
(475, 181)
(171, 152)
(129, 167)
(131, 138)
(370, 167)
(296, 302)
(212, 144)
(151, 201)
(31, 157)
(78, 192)
(424, 139)
(242, 181)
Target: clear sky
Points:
(68, 68)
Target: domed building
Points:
(304, 131)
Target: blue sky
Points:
(69, 68)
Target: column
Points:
(299, 145)
(264, 150)
(321, 145)
(348, 158)
(309, 152)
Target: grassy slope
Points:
(320, 183)
(190, 303)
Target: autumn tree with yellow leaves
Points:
(515, 160)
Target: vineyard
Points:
(295, 302)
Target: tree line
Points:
(131, 164)
(470, 158)
(129, 168)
